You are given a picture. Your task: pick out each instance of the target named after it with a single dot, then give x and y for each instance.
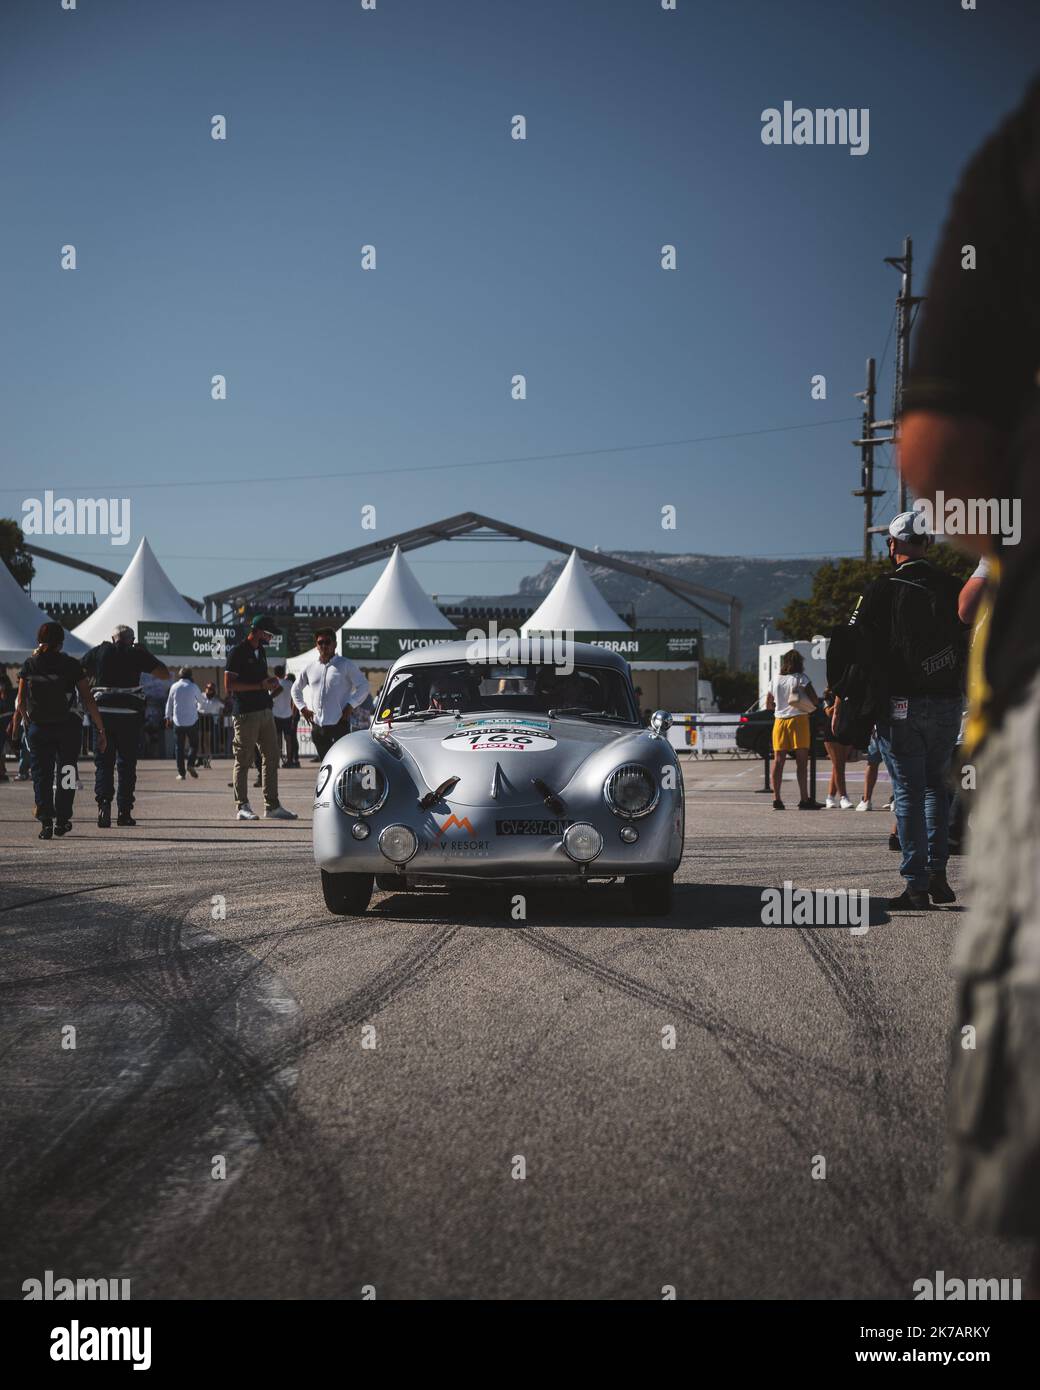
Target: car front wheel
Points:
(651, 894)
(346, 894)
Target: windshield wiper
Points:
(584, 713)
(424, 714)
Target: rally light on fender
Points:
(398, 843)
(582, 842)
(629, 834)
(631, 790)
(361, 830)
(361, 789)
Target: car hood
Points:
(471, 747)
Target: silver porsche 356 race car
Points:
(480, 765)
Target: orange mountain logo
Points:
(462, 824)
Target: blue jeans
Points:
(124, 736)
(54, 747)
(918, 751)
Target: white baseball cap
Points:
(910, 526)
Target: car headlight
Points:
(361, 789)
(398, 843)
(582, 842)
(631, 790)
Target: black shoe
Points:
(46, 830)
(910, 899)
(893, 843)
(104, 816)
(259, 782)
(810, 805)
(778, 805)
(193, 773)
(62, 827)
(939, 889)
(125, 818)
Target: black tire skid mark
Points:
(239, 1075)
(764, 1068)
(858, 996)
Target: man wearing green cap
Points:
(250, 687)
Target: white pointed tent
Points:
(143, 595)
(396, 602)
(20, 621)
(574, 604)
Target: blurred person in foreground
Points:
(971, 430)
(47, 686)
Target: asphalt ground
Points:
(375, 1087)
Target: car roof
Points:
(505, 650)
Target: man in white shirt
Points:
(182, 715)
(326, 691)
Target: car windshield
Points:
(583, 691)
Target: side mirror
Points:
(660, 722)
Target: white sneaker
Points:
(180, 776)
(890, 805)
(246, 812)
(864, 806)
(279, 813)
(830, 804)
(845, 804)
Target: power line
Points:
(444, 467)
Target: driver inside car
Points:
(449, 693)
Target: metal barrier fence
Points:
(692, 728)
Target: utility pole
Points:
(905, 304)
(867, 444)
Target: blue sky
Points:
(495, 257)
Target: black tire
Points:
(347, 895)
(651, 894)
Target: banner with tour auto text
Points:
(382, 645)
(200, 641)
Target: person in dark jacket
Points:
(47, 685)
(116, 668)
(7, 699)
(911, 648)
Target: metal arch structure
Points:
(470, 526)
(109, 576)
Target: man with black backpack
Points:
(907, 675)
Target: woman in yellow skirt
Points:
(792, 700)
